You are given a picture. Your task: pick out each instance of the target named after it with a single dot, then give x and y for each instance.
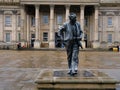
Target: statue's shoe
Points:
(76, 71)
(73, 73)
(69, 72)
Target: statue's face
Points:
(72, 18)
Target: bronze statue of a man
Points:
(71, 35)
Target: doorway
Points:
(32, 40)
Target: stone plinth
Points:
(84, 80)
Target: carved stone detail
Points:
(14, 11)
(103, 13)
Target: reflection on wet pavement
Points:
(57, 59)
(18, 69)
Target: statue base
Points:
(84, 80)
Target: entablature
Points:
(61, 2)
(110, 1)
(9, 2)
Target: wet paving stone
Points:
(18, 69)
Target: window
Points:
(7, 37)
(110, 38)
(8, 21)
(109, 21)
(45, 19)
(45, 36)
(19, 36)
(86, 21)
(32, 36)
(33, 21)
(19, 21)
(59, 19)
(99, 36)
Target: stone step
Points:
(84, 80)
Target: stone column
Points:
(67, 12)
(82, 7)
(52, 32)
(28, 30)
(37, 24)
(14, 25)
(22, 25)
(96, 44)
(1, 26)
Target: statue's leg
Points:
(75, 58)
(69, 58)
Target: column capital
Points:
(82, 6)
(96, 7)
(67, 6)
(37, 5)
(52, 6)
(14, 12)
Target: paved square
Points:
(18, 69)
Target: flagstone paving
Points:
(18, 69)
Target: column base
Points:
(95, 44)
(83, 43)
(37, 44)
(23, 44)
(28, 44)
(14, 45)
(52, 44)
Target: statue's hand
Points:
(60, 27)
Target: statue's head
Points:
(72, 18)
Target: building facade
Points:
(34, 23)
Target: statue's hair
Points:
(72, 14)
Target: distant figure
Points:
(71, 35)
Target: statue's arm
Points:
(61, 29)
(81, 33)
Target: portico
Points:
(35, 23)
(52, 10)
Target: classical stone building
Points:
(34, 23)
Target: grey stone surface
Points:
(59, 80)
(18, 69)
